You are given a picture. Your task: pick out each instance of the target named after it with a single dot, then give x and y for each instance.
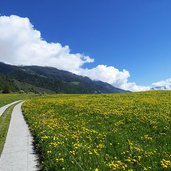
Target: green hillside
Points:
(7, 85)
(49, 80)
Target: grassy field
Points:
(4, 124)
(8, 98)
(130, 131)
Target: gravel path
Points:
(18, 153)
(2, 109)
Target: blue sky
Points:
(134, 35)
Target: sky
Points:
(125, 43)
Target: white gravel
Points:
(18, 153)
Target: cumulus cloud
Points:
(162, 85)
(22, 44)
(112, 76)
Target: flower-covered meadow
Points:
(130, 131)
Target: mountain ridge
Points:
(50, 80)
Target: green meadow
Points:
(129, 131)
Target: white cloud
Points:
(22, 44)
(162, 85)
(112, 76)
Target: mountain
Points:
(49, 80)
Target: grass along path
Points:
(18, 153)
(7, 103)
(9, 98)
(3, 109)
(4, 125)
